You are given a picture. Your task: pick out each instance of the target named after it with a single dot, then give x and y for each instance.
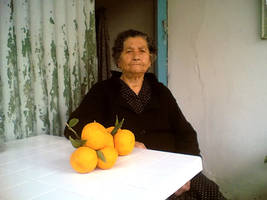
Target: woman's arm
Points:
(185, 136)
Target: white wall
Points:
(218, 74)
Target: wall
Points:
(218, 74)
(130, 14)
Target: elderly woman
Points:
(148, 107)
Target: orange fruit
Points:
(110, 155)
(83, 160)
(95, 135)
(109, 129)
(124, 141)
(110, 142)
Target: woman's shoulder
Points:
(156, 85)
(110, 84)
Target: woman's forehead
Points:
(138, 41)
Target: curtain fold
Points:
(103, 48)
(48, 62)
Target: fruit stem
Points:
(71, 129)
(117, 127)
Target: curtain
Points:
(48, 63)
(103, 49)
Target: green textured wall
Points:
(48, 63)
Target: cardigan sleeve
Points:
(185, 136)
(91, 109)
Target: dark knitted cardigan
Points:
(161, 125)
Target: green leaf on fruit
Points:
(117, 121)
(118, 125)
(265, 160)
(101, 155)
(73, 122)
(76, 143)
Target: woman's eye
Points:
(143, 50)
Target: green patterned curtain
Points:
(48, 63)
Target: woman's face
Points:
(135, 56)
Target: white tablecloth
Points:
(38, 168)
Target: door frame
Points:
(161, 68)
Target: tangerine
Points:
(110, 142)
(109, 129)
(110, 155)
(124, 141)
(83, 160)
(95, 135)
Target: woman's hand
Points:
(139, 145)
(184, 188)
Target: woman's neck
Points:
(135, 82)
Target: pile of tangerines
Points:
(99, 146)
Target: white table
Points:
(38, 168)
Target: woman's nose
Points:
(136, 55)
